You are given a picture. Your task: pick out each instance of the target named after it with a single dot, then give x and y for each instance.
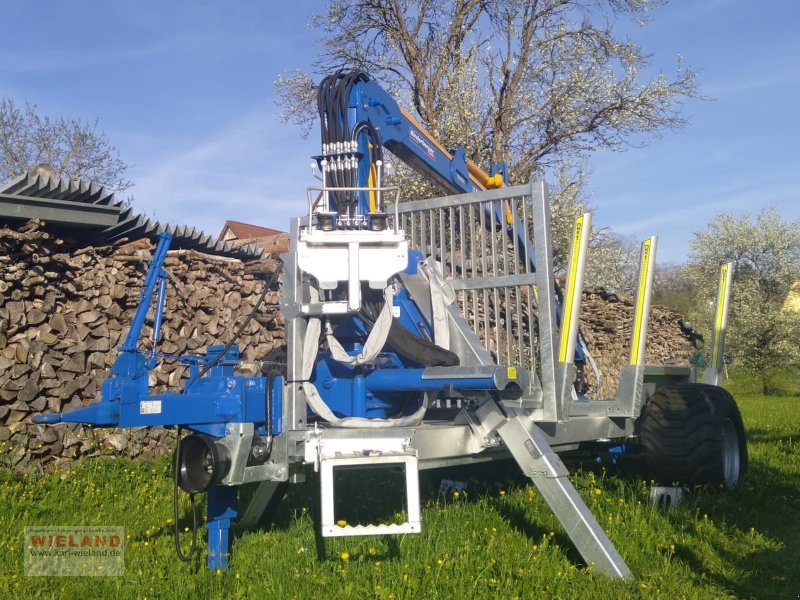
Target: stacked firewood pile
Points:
(64, 309)
(606, 325)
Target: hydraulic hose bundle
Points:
(341, 148)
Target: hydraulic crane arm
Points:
(358, 119)
(407, 139)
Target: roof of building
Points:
(246, 231)
(89, 206)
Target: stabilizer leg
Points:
(529, 447)
(221, 511)
(538, 461)
(260, 502)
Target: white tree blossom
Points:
(534, 84)
(72, 148)
(762, 334)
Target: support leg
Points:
(221, 511)
(538, 461)
(264, 496)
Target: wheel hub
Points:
(730, 454)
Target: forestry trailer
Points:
(419, 334)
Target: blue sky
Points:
(184, 90)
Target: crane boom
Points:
(359, 118)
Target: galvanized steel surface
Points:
(484, 260)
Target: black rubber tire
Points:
(692, 434)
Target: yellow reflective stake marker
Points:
(566, 317)
(719, 319)
(641, 295)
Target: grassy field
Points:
(500, 541)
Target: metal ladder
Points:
(349, 450)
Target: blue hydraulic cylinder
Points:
(153, 275)
(359, 396)
(415, 380)
(159, 318)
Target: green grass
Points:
(499, 542)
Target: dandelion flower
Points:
(345, 556)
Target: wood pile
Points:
(606, 325)
(64, 309)
(272, 244)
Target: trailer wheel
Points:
(693, 434)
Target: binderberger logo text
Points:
(422, 143)
(74, 550)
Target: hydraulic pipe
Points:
(129, 345)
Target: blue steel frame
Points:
(205, 405)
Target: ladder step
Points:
(380, 529)
(366, 459)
